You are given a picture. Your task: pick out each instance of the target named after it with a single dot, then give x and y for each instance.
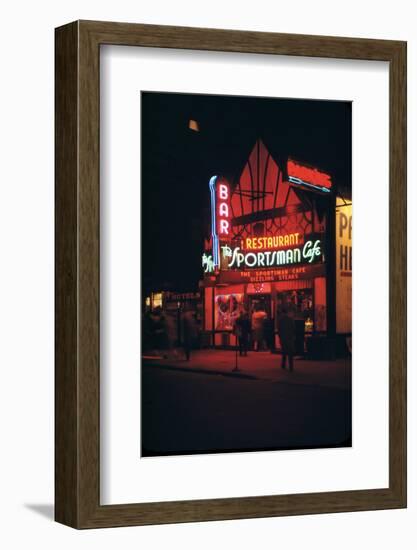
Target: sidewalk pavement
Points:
(261, 365)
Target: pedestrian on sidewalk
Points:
(171, 334)
(258, 317)
(268, 328)
(159, 330)
(242, 332)
(189, 331)
(286, 333)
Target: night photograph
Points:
(246, 290)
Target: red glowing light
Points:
(308, 175)
(223, 210)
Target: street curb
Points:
(232, 374)
(241, 375)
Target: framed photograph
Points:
(229, 343)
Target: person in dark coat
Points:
(159, 329)
(189, 328)
(269, 333)
(286, 332)
(242, 331)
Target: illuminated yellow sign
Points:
(265, 243)
(343, 267)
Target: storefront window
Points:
(156, 299)
(227, 308)
(299, 303)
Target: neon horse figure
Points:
(208, 263)
(227, 251)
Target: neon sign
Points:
(310, 177)
(207, 263)
(223, 210)
(310, 252)
(277, 241)
(220, 215)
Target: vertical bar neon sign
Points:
(214, 236)
(220, 214)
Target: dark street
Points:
(190, 412)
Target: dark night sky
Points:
(177, 164)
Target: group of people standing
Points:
(258, 331)
(165, 333)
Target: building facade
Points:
(280, 240)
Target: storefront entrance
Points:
(260, 313)
(260, 302)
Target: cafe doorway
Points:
(260, 311)
(260, 302)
